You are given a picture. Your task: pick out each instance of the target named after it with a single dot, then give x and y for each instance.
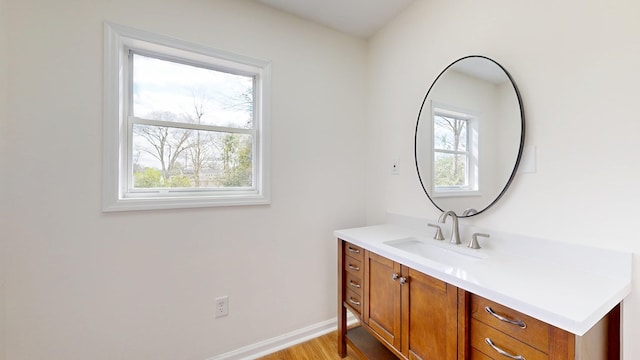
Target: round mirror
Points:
(469, 136)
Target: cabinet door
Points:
(382, 297)
(429, 330)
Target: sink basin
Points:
(441, 252)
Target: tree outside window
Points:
(190, 126)
(450, 151)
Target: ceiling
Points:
(361, 18)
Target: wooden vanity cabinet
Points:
(412, 314)
(522, 336)
(405, 314)
(382, 298)
(429, 317)
(350, 297)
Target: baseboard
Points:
(284, 341)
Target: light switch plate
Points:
(395, 167)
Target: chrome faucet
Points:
(473, 244)
(438, 235)
(455, 231)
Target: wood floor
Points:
(322, 348)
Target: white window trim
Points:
(117, 39)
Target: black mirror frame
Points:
(520, 149)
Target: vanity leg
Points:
(614, 334)
(342, 311)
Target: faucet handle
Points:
(474, 240)
(438, 235)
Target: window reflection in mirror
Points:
(455, 152)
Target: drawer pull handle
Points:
(502, 352)
(519, 323)
(357, 251)
(354, 302)
(354, 284)
(352, 267)
(395, 277)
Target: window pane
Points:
(165, 157)
(449, 133)
(450, 170)
(166, 90)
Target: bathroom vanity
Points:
(415, 295)
(515, 298)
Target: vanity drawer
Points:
(353, 251)
(480, 332)
(354, 300)
(353, 266)
(353, 283)
(535, 332)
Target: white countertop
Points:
(569, 286)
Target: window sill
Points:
(140, 204)
(459, 193)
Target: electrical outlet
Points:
(222, 306)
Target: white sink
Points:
(441, 252)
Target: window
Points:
(185, 125)
(454, 152)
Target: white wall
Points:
(82, 284)
(3, 140)
(576, 64)
(4, 46)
